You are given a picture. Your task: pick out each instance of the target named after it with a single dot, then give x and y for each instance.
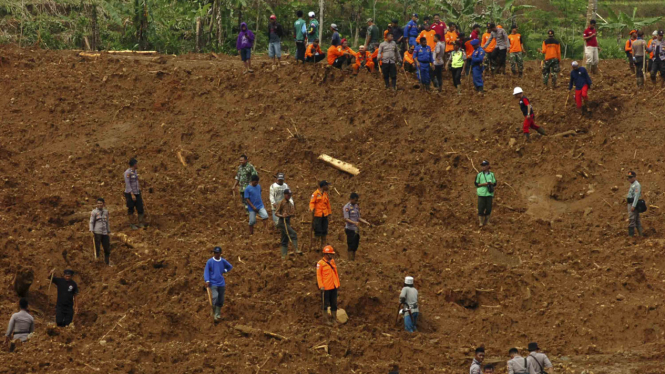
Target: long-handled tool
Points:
(286, 228)
(566, 103)
(399, 309)
(210, 300)
(94, 246)
(48, 292)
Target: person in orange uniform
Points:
(319, 205)
(489, 61)
(451, 38)
(409, 64)
(337, 57)
(314, 53)
(328, 281)
(552, 50)
(629, 49)
(428, 34)
(363, 59)
(347, 49)
(516, 49)
(654, 37)
(468, 49)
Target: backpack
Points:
(641, 206)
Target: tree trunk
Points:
(198, 34)
(321, 6)
(256, 28)
(592, 8)
(357, 34)
(211, 39)
(219, 25)
(95, 31)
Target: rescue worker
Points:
(477, 361)
(628, 48)
(485, 184)
(529, 116)
(537, 362)
(408, 298)
(639, 50)
(352, 219)
(468, 51)
(319, 205)
(582, 81)
(300, 36)
(477, 67)
(517, 364)
(327, 279)
(277, 195)
(388, 54)
(213, 274)
(439, 27)
(243, 176)
(456, 65)
(347, 49)
(133, 196)
(312, 29)
(451, 39)
(373, 36)
(398, 35)
(428, 34)
(338, 58)
(100, 229)
(489, 62)
(21, 325)
(424, 58)
(439, 62)
(658, 64)
(654, 37)
(634, 195)
(552, 60)
(409, 63)
(66, 305)
(286, 210)
(502, 47)
(363, 59)
(255, 204)
(516, 50)
(411, 30)
(591, 46)
(314, 53)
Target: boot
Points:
(132, 225)
(323, 241)
(218, 310)
(295, 247)
(639, 82)
(487, 220)
(631, 231)
(459, 91)
(334, 318)
(540, 131)
(141, 220)
(640, 231)
(352, 256)
(482, 220)
(285, 251)
(527, 137)
(520, 74)
(106, 258)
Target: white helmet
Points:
(655, 33)
(408, 280)
(517, 90)
(311, 14)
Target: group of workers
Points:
(535, 362)
(636, 49)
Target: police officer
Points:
(537, 362)
(352, 219)
(66, 306)
(100, 229)
(133, 195)
(477, 361)
(517, 364)
(634, 195)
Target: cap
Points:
(311, 14)
(273, 16)
(485, 162)
(287, 191)
(323, 183)
(280, 176)
(655, 32)
(517, 90)
(475, 42)
(328, 249)
(333, 26)
(370, 20)
(632, 174)
(414, 15)
(395, 21)
(660, 32)
(362, 47)
(575, 63)
(217, 250)
(408, 280)
(343, 40)
(632, 31)
(68, 272)
(480, 349)
(533, 347)
(101, 199)
(593, 22)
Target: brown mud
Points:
(555, 266)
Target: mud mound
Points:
(554, 267)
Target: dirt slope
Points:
(555, 267)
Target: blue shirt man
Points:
(214, 278)
(411, 30)
(424, 57)
(254, 203)
(477, 67)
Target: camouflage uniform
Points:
(516, 59)
(244, 176)
(553, 65)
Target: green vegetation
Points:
(183, 26)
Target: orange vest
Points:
(429, 36)
(451, 36)
(408, 57)
(515, 43)
(349, 51)
(492, 45)
(551, 50)
(629, 45)
(366, 57)
(469, 49)
(310, 53)
(319, 203)
(326, 274)
(649, 46)
(334, 53)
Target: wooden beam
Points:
(340, 165)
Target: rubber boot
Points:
(640, 231)
(487, 220)
(323, 241)
(540, 131)
(106, 258)
(218, 310)
(141, 220)
(295, 247)
(393, 81)
(631, 231)
(285, 252)
(132, 225)
(482, 220)
(334, 318)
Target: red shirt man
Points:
(439, 27)
(591, 30)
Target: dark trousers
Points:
(629, 55)
(64, 315)
(320, 225)
(352, 239)
(300, 50)
(340, 61)
(217, 293)
(105, 242)
(330, 300)
(467, 67)
(389, 74)
(500, 59)
(131, 204)
(291, 233)
(485, 205)
(409, 67)
(316, 59)
(639, 62)
(457, 76)
(438, 76)
(657, 66)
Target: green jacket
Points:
(481, 178)
(298, 27)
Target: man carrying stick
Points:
(100, 229)
(214, 278)
(66, 306)
(286, 210)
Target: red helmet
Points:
(328, 249)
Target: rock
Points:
(587, 211)
(615, 189)
(559, 176)
(620, 297)
(512, 142)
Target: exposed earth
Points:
(555, 267)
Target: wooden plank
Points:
(340, 165)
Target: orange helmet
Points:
(328, 249)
